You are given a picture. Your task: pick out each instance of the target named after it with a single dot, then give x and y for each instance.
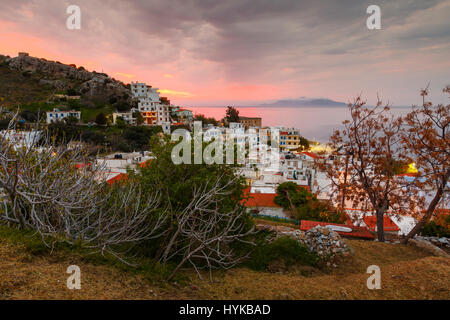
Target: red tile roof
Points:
(262, 199)
(310, 154)
(409, 174)
(119, 177)
(389, 225)
(145, 163)
(259, 199)
(442, 211)
(357, 232)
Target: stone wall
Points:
(320, 240)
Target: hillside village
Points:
(298, 158)
(117, 121)
(225, 159)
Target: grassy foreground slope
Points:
(407, 273)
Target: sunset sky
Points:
(240, 52)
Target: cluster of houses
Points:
(155, 110)
(288, 139)
(262, 177)
(113, 166)
(116, 165)
(294, 162)
(300, 167)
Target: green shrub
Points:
(100, 119)
(283, 248)
(432, 229)
(4, 123)
(303, 205)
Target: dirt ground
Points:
(406, 273)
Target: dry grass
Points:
(23, 276)
(407, 273)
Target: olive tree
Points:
(56, 190)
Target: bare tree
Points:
(365, 155)
(45, 191)
(204, 234)
(427, 143)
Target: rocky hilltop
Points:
(54, 76)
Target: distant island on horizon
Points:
(304, 102)
(301, 102)
(292, 103)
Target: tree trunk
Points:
(380, 224)
(426, 217)
(293, 209)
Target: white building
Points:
(56, 115)
(125, 116)
(236, 125)
(139, 90)
(120, 162)
(213, 133)
(166, 127)
(149, 104)
(162, 114)
(21, 138)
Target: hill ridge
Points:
(43, 77)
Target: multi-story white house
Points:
(149, 104)
(139, 90)
(162, 114)
(56, 115)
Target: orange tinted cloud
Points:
(173, 93)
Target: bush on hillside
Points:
(433, 229)
(202, 203)
(284, 248)
(100, 119)
(138, 138)
(4, 123)
(303, 205)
